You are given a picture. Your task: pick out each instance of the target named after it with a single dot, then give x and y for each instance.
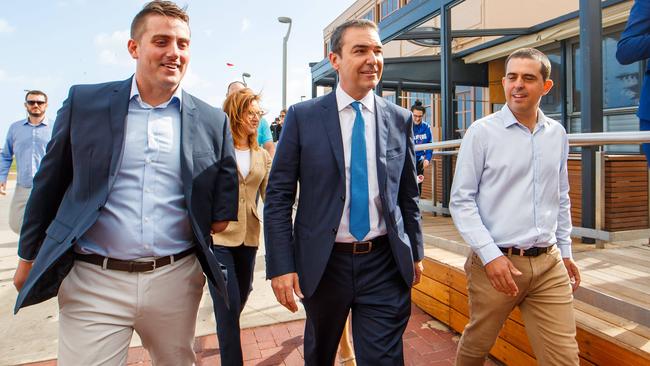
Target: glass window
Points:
(552, 102)
(621, 123)
(370, 15)
(387, 7)
(426, 99)
(621, 83)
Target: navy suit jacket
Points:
(79, 169)
(634, 46)
(310, 151)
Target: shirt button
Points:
(148, 190)
(342, 198)
(335, 230)
(146, 219)
(148, 160)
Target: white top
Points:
(347, 115)
(511, 187)
(243, 161)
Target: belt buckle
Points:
(362, 251)
(153, 265)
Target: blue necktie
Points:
(359, 215)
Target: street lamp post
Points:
(285, 20)
(244, 76)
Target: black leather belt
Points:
(531, 252)
(132, 266)
(361, 247)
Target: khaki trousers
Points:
(17, 208)
(546, 303)
(99, 310)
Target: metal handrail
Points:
(575, 139)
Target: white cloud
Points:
(245, 24)
(112, 48)
(5, 27)
(192, 80)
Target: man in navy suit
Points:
(356, 242)
(136, 176)
(634, 46)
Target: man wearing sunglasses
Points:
(26, 140)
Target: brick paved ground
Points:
(426, 342)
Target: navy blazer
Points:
(310, 151)
(79, 169)
(634, 46)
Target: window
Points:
(470, 106)
(552, 102)
(387, 7)
(427, 103)
(621, 83)
(621, 91)
(370, 15)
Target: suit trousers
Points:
(545, 299)
(99, 310)
(238, 263)
(17, 208)
(371, 286)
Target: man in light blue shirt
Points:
(138, 174)
(510, 202)
(26, 140)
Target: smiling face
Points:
(360, 62)
(162, 52)
(524, 85)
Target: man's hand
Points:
(218, 226)
(3, 188)
(418, 268)
(425, 163)
(500, 272)
(21, 273)
(574, 272)
(284, 287)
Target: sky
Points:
(53, 44)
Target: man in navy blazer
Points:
(136, 176)
(634, 46)
(356, 242)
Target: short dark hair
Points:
(417, 106)
(35, 92)
(157, 7)
(533, 54)
(337, 36)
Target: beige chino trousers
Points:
(545, 299)
(99, 310)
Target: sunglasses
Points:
(33, 102)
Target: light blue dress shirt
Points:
(27, 143)
(145, 214)
(511, 187)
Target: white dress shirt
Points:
(511, 187)
(347, 115)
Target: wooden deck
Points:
(612, 306)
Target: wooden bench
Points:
(603, 338)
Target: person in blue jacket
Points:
(421, 135)
(634, 46)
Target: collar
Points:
(343, 100)
(44, 122)
(509, 119)
(135, 93)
